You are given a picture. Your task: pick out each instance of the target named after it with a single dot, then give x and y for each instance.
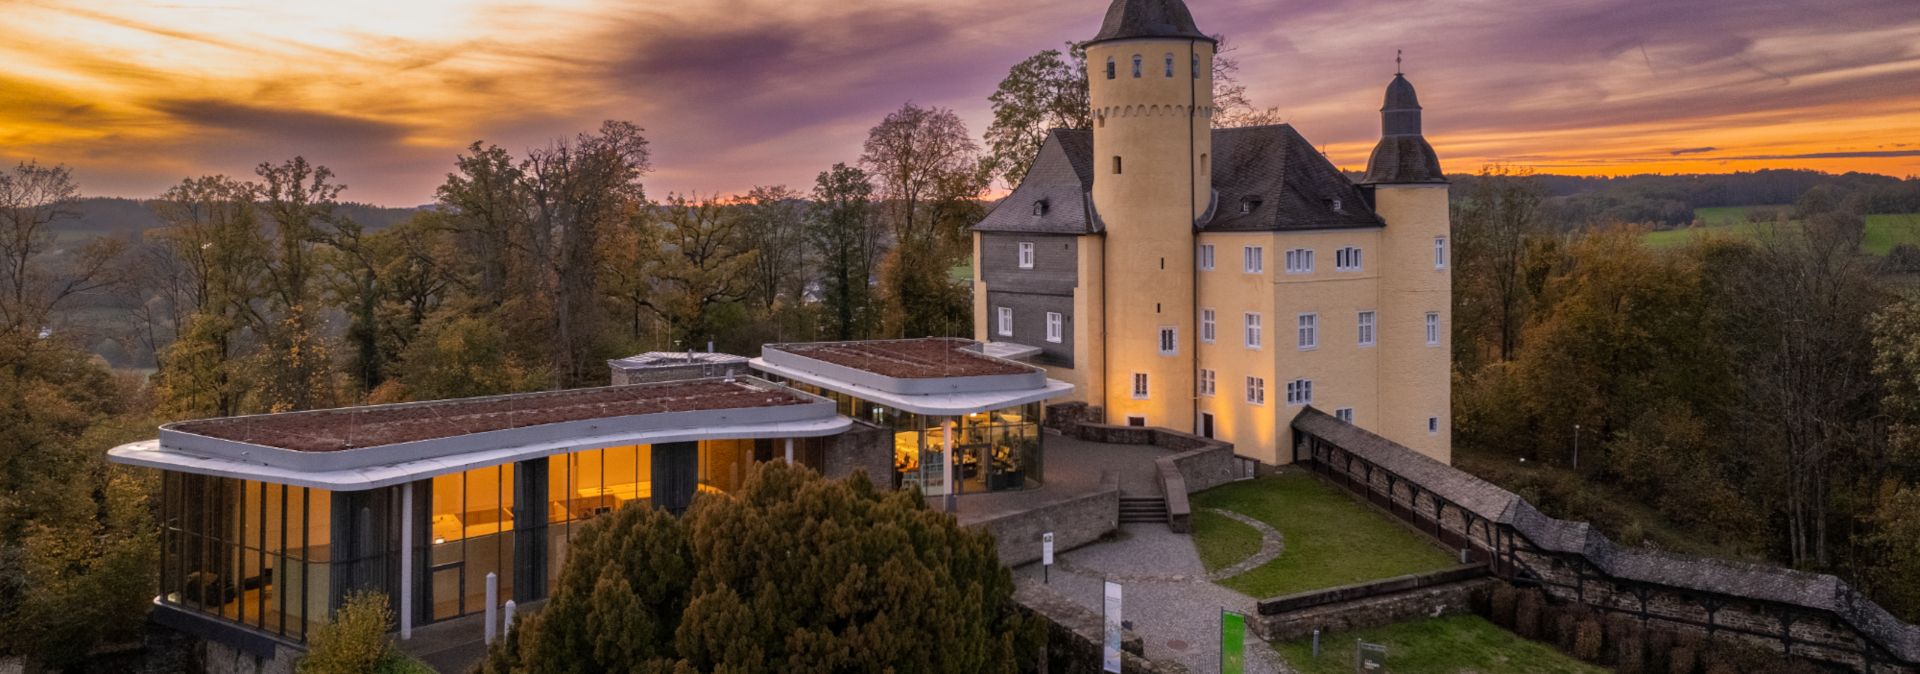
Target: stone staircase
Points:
(1143, 509)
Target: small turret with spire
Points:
(1403, 155)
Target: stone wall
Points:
(223, 659)
(1376, 610)
(1074, 522)
(1075, 637)
(865, 447)
(1063, 417)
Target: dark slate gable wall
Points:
(1031, 293)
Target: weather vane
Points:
(1396, 62)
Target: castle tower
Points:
(1151, 86)
(1416, 294)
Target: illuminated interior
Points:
(254, 553)
(996, 450)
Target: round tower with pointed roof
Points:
(1151, 89)
(1416, 284)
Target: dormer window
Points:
(1334, 204)
(1040, 207)
(1248, 204)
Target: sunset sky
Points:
(733, 93)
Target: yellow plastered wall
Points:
(979, 293)
(1415, 377)
(1159, 129)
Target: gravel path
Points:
(1271, 545)
(1167, 596)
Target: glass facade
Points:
(998, 450)
(249, 552)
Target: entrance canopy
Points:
(936, 375)
(362, 448)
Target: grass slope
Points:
(1452, 645)
(1884, 231)
(1331, 539)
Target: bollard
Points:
(1316, 643)
(493, 595)
(506, 621)
(1463, 555)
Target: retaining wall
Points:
(1074, 522)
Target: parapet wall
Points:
(1074, 522)
(1197, 464)
(1813, 616)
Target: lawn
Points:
(1884, 230)
(1331, 539)
(1450, 645)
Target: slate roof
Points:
(1817, 591)
(1285, 181)
(1148, 19)
(1403, 155)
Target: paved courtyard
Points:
(1074, 468)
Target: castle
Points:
(1220, 280)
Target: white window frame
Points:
(1056, 326)
(1309, 331)
(1433, 328)
(1367, 326)
(1350, 258)
(1299, 392)
(1206, 257)
(1439, 252)
(1253, 324)
(1140, 390)
(1256, 390)
(1208, 381)
(1169, 340)
(1005, 324)
(1300, 261)
(1208, 325)
(1253, 259)
(1344, 414)
(1026, 254)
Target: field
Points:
(1883, 230)
(1330, 539)
(1451, 645)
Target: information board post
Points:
(1046, 556)
(1110, 650)
(1233, 642)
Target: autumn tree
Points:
(773, 226)
(36, 275)
(485, 199)
(1498, 261)
(298, 198)
(842, 236)
(794, 573)
(926, 167)
(1044, 92)
(692, 257)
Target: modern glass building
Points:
(269, 521)
(962, 421)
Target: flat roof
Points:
(374, 426)
(924, 358)
(658, 359)
(364, 448)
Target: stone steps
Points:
(1134, 509)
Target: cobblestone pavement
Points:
(1165, 595)
(1271, 545)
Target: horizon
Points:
(136, 97)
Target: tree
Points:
(36, 276)
(774, 228)
(841, 234)
(1042, 93)
(690, 258)
(1232, 108)
(928, 172)
(1497, 229)
(486, 201)
(794, 573)
(299, 198)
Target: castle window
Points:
(1136, 66)
(1006, 321)
(1026, 254)
(1055, 323)
(1040, 207)
(1206, 257)
(1366, 328)
(1206, 325)
(1433, 328)
(1169, 65)
(1253, 330)
(1257, 390)
(1300, 392)
(1169, 340)
(1116, 164)
(1110, 67)
(1140, 385)
(1347, 259)
(1206, 382)
(1433, 425)
(1344, 414)
(1300, 261)
(1255, 259)
(1439, 252)
(1309, 331)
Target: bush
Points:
(1500, 609)
(1629, 643)
(354, 641)
(1587, 640)
(1526, 614)
(1564, 620)
(1682, 660)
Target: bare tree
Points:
(1497, 223)
(774, 227)
(914, 154)
(37, 275)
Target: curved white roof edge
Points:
(150, 454)
(938, 404)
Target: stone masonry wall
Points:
(1074, 522)
(1371, 612)
(865, 447)
(1075, 636)
(223, 659)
